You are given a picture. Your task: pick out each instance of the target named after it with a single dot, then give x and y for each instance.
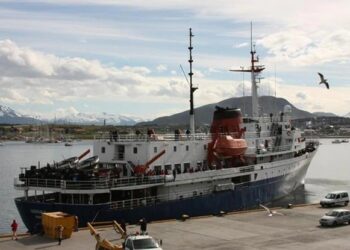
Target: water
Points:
(329, 171)
(13, 156)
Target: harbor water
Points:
(329, 170)
(17, 155)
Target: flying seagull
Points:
(323, 80)
(271, 212)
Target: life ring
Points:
(289, 133)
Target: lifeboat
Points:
(227, 146)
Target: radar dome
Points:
(287, 109)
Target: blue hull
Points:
(242, 197)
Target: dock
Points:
(297, 228)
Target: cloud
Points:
(161, 68)
(137, 70)
(34, 77)
(335, 100)
(174, 88)
(240, 45)
(301, 95)
(305, 48)
(63, 112)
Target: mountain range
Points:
(99, 119)
(203, 114)
(9, 116)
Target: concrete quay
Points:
(297, 228)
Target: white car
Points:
(335, 198)
(335, 217)
(141, 242)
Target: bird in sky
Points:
(270, 212)
(323, 80)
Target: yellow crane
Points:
(105, 244)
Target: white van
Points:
(335, 198)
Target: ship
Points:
(241, 163)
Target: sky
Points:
(123, 57)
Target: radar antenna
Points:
(255, 70)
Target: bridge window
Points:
(174, 148)
(205, 146)
(103, 150)
(187, 147)
(135, 150)
(155, 149)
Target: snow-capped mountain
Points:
(99, 119)
(9, 116)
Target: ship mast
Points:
(254, 71)
(255, 101)
(192, 89)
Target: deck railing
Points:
(105, 183)
(153, 137)
(152, 200)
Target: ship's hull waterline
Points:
(244, 196)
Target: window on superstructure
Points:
(135, 150)
(103, 150)
(167, 169)
(205, 165)
(187, 147)
(187, 167)
(178, 168)
(199, 166)
(205, 146)
(155, 149)
(158, 169)
(174, 148)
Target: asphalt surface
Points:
(297, 228)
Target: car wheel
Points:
(322, 205)
(334, 223)
(346, 203)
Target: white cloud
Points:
(198, 73)
(240, 45)
(161, 68)
(300, 36)
(301, 95)
(301, 48)
(137, 70)
(63, 112)
(334, 100)
(35, 77)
